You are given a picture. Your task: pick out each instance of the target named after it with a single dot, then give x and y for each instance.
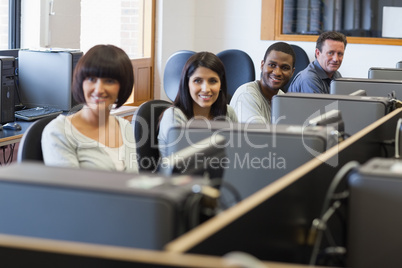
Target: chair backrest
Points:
(172, 73)
(145, 123)
(30, 148)
(239, 68)
(302, 61)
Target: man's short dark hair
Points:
(282, 47)
(331, 35)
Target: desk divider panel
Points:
(273, 224)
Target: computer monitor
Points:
(373, 87)
(45, 77)
(94, 206)
(385, 73)
(256, 154)
(359, 92)
(374, 218)
(201, 158)
(332, 118)
(357, 111)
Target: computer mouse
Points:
(12, 126)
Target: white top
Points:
(114, 156)
(175, 117)
(250, 104)
(64, 145)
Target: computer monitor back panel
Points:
(256, 157)
(373, 87)
(385, 73)
(357, 111)
(91, 206)
(374, 221)
(45, 78)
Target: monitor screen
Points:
(256, 155)
(95, 206)
(372, 87)
(357, 111)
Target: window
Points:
(303, 20)
(81, 24)
(4, 24)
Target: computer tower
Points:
(45, 77)
(7, 96)
(374, 219)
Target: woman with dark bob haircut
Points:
(202, 95)
(91, 137)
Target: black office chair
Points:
(172, 73)
(30, 148)
(239, 68)
(145, 123)
(302, 61)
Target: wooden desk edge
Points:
(121, 253)
(10, 140)
(198, 234)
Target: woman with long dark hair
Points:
(202, 95)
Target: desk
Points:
(8, 136)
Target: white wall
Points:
(215, 25)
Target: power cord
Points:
(8, 160)
(319, 226)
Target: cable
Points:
(234, 192)
(193, 208)
(11, 156)
(327, 211)
(397, 141)
(221, 185)
(4, 154)
(9, 159)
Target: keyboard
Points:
(36, 113)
